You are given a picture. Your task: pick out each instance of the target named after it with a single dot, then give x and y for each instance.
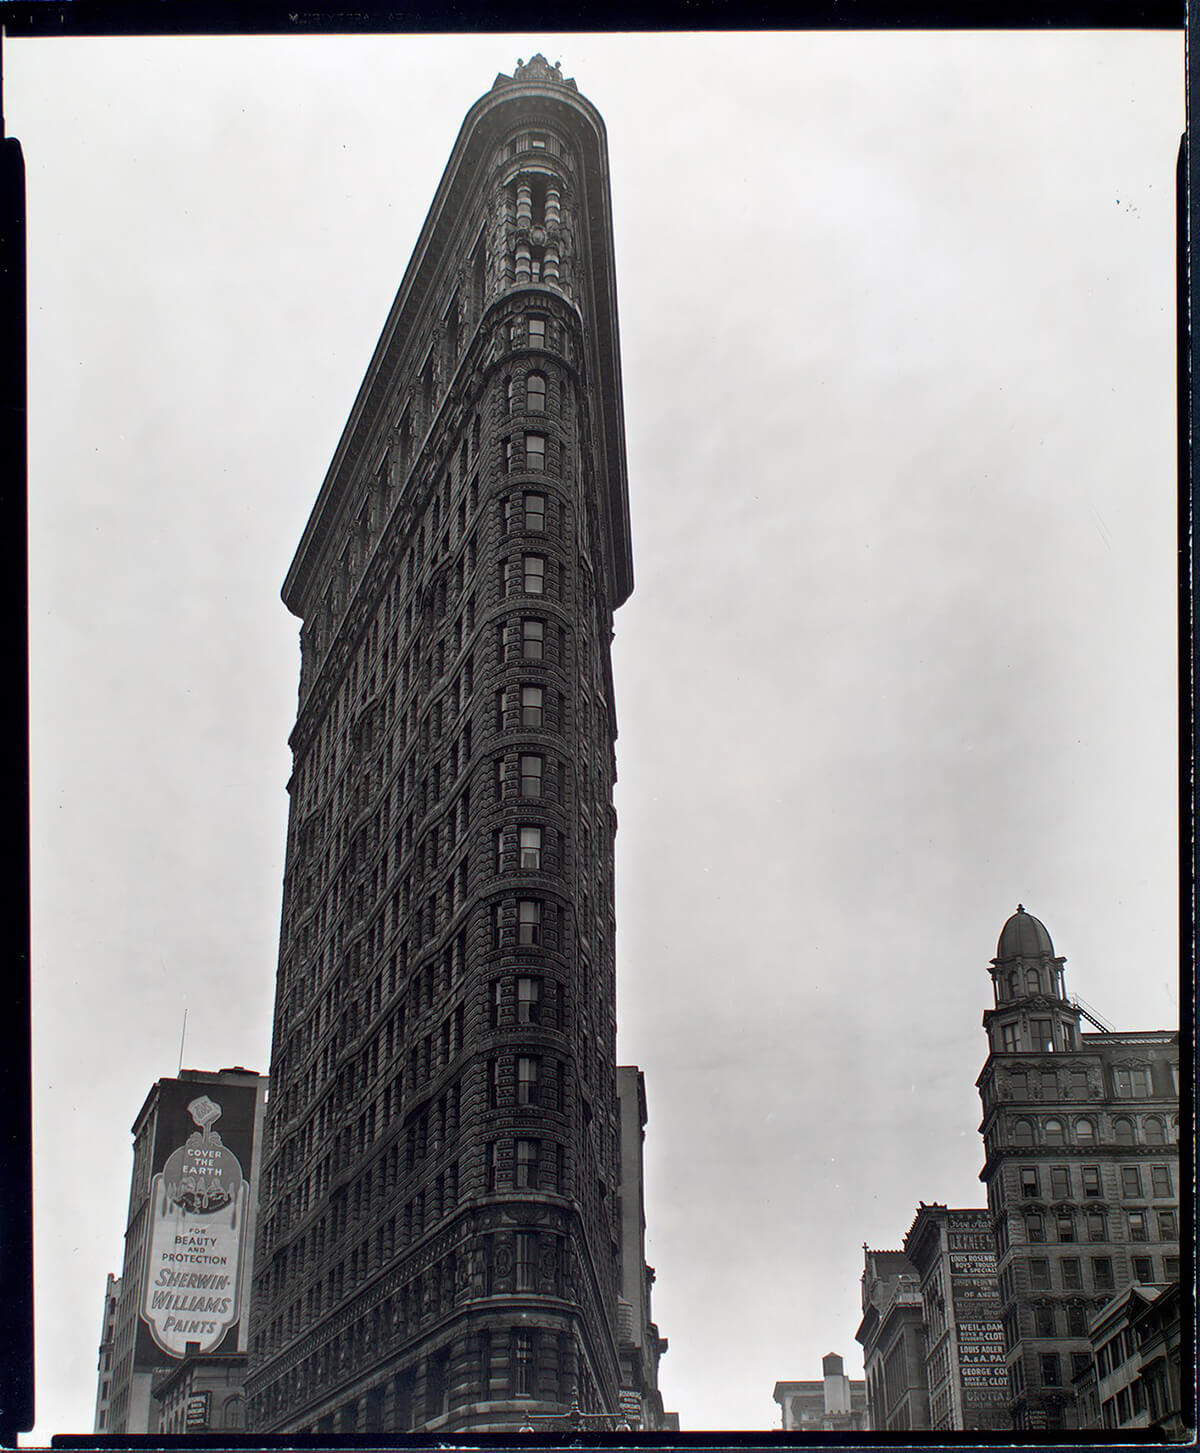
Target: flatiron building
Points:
(440, 1229)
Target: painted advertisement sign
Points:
(196, 1239)
(979, 1333)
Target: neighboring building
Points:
(1133, 1380)
(954, 1256)
(639, 1344)
(832, 1405)
(189, 1235)
(440, 1237)
(202, 1395)
(892, 1334)
(108, 1327)
(1081, 1167)
(1159, 1330)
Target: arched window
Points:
(1014, 985)
(1022, 1133)
(233, 1411)
(1123, 1131)
(1085, 1131)
(1055, 1132)
(535, 393)
(1033, 982)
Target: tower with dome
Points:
(1081, 1164)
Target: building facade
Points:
(1134, 1379)
(1081, 1166)
(104, 1367)
(189, 1236)
(834, 1404)
(639, 1343)
(954, 1256)
(892, 1334)
(440, 1243)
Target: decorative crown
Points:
(536, 69)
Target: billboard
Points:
(197, 1246)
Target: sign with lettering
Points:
(195, 1411)
(979, 1333)
(973, 1263)
(197, 1221)
(631, 1407)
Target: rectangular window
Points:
(526, 1260)
(535, 451)
(523, 1364)
(532, 706)
(1133, 1084)
(1010, 1038)
(1143, 1269)
(493, 1084)
(1043, 1321)
(531, 848)
(526, 1164)
(1076, 1316)
(493, 1165)
(497, 998)
(1060, 1183)
(537, 332)
(1039, 1032)
(533, 571)
(1160, 1181)
(438, 1382)
(1131, 1180)
(529, 922)
(1168, 1228)
(1050, 1372)
(1029, 1182)
(1091, 1180)
(1039, 1273)
(535, 513)
(1097, 1229)
(1171, 1268)
(528, 1069)
(1065, 1225)
(1072, 1275)
(529, 993)
(1034, 1229)
(533, 640)
(531, 776)
(1138, 1230)
(1102, 1273)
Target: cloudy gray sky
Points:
(897, 321)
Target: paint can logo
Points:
(196, 1243)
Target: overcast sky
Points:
(897, 323)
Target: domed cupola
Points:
(1031, 1010)
(1023, 936)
